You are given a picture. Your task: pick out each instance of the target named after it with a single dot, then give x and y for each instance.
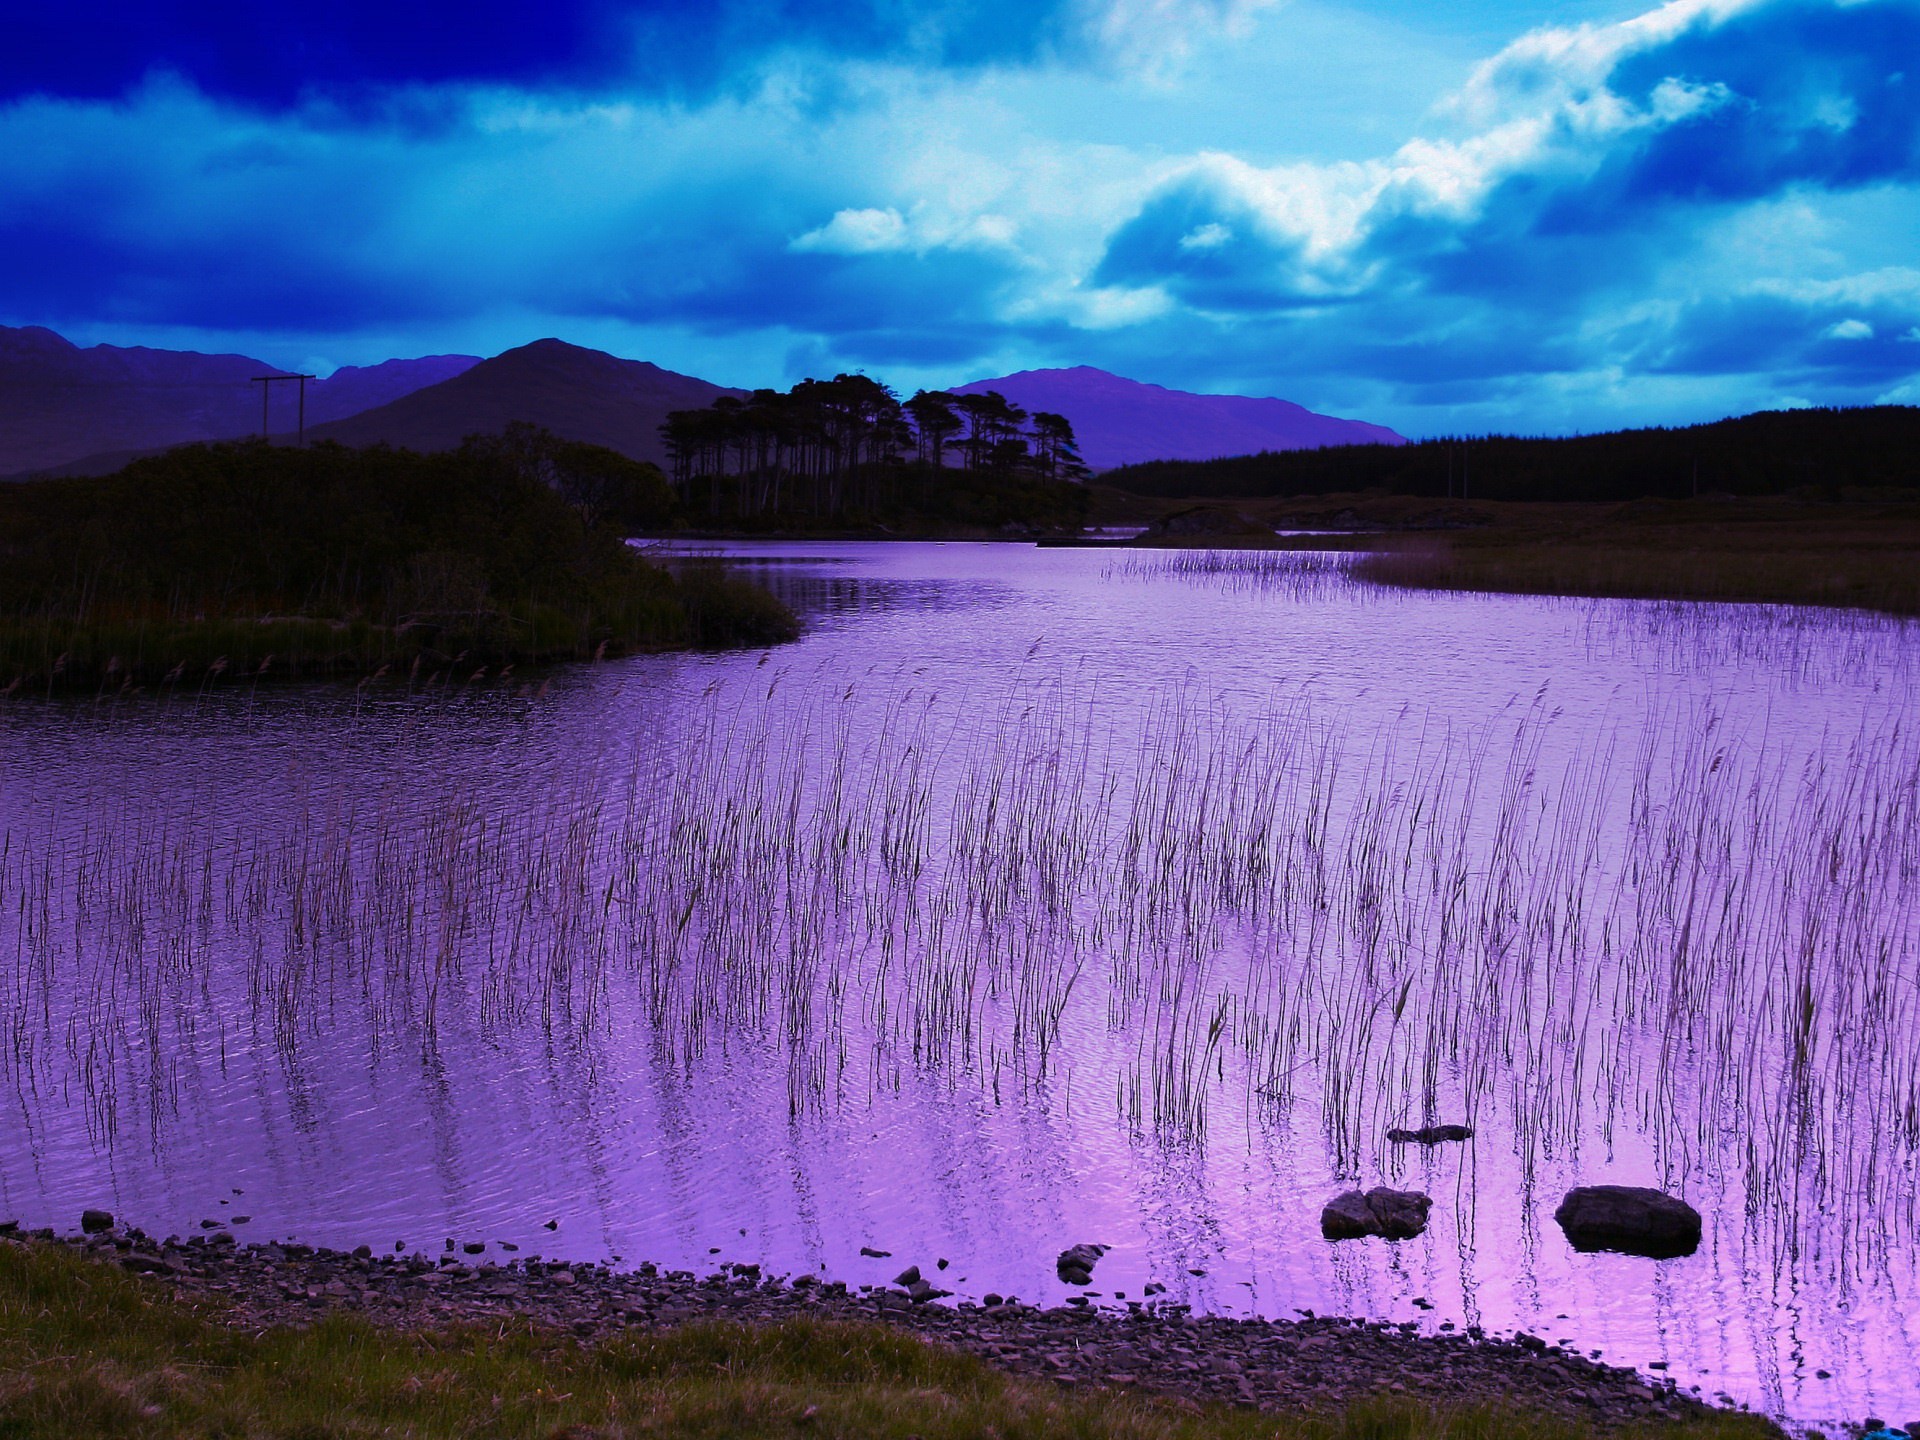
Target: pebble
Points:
(1312, 1363)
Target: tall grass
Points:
(1670, 927)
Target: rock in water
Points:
(94, 1221)
(1075, 1265)
(1431, 1135)
(1629, 1219)
(1390, 1214)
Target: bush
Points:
(260, 559)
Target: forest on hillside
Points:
(1775, 452)
(849, 450)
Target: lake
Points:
(1035, 897)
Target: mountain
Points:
(578, 394)
(1122, 422)
(85, 410)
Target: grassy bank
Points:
(87, 1351)
(1862, 555)
(1862, 552)
(217, 561)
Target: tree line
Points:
(833, 448)
(1774, 452)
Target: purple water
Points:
(1035, 897)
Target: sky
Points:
(1457, 218)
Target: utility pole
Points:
(266, 382)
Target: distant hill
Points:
(90, 410)
(578, 394)
(1123, 422)
(1818, 453)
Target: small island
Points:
(215, 562)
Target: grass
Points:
(1865, 556)
(1859, 552)
(88, 1353)
(247, 560)
(1864, 553)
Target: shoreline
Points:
(1315, 1364)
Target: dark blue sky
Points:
(1434, 217)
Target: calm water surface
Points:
(1035, 897)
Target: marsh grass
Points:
(1669, 931)
(87, 1353)
(1864, 556)
(217, 562)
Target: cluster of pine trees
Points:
(833, 448)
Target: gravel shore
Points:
(1279, 1365)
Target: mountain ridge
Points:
(1119, 421)
(578, 393)
(64, 407)
(69, 410)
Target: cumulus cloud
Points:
(857, 232)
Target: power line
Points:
(265, 382)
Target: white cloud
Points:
(1210, 236)
(1848, 330)
(857, 232)
(1156, 39)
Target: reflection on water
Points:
(1030, 900)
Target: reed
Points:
(1665, 927)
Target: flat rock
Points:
(1390, 1214)
(1629, 1219)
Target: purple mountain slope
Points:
(1122, 422)
(578, 394)
(87, 410)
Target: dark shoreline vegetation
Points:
(1827, 454)
(247, 560)
(119, 1335)
(1803, 507)
(1790, 550)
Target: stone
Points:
(873, 1254)
(1389, 1214)
(1630, 1220)
(95, 1221)
(1431, 1135)
(1075, 1264)
(908, 1277)
(148, 1265)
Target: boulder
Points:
(1629, 1219)
(1075, 1265)
(1390, 1214)
(1431, 1135)
(95, 1221)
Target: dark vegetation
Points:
(89, 1352)
(847, 453)
(248, 559)
(1827, 453)
(1864, 554)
